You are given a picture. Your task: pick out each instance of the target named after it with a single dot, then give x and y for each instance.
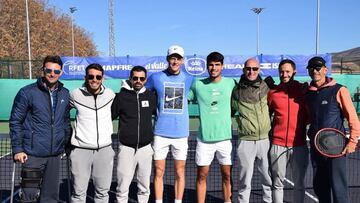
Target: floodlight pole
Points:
(317, 27)
(257, 11)
(28, 38)
(72, 10)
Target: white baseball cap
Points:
(175, 49)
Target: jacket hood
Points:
(86, 91)
(291, 84)
(328, 82)
(126, 84)
(244, 82)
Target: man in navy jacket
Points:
(329, 104)
(39, 128)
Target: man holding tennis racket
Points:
(328, 104)
(288, 141)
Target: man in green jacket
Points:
(249, 100)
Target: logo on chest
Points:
(145, 103)
(324, 102)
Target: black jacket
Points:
(135, 111)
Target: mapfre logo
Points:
(71, 68)
(195, 66)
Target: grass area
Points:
(4, 127)
(194, 124)
(4, 147)
(5, 143)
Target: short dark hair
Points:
(95, 66)
(215, 57)
(53, 59)
(291, 62)
(137, 69)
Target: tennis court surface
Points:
(214, 189)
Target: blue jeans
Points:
(329, 178)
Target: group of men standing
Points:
(271, 121)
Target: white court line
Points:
(308, 194)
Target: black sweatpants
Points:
(50, 183)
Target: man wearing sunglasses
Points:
(249, 100)
(172, 124)
(92, 154)
(328, 104)
(288, 140)
(39, 127)
(135, 106)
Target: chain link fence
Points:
(19, 69)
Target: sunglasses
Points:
(135, 78)
(252, 68)
(49, 70)
(91, 77)
(315, 68)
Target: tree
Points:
(50, 32)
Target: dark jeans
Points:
(329, 178)
(50, 182)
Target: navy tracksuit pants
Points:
(330, 179)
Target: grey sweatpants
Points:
(247, 152)
(298, 159)
(130, 161)
(97, 164)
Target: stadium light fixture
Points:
(28, 37)
(257, 11)
(317, 28)
(72, 10)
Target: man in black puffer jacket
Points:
(135, 106)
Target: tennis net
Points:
(214, 186)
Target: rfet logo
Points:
(195, 66)
(70, 67)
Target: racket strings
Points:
(331, 142)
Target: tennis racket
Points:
(330, 142)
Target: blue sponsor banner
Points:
(119, 67)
